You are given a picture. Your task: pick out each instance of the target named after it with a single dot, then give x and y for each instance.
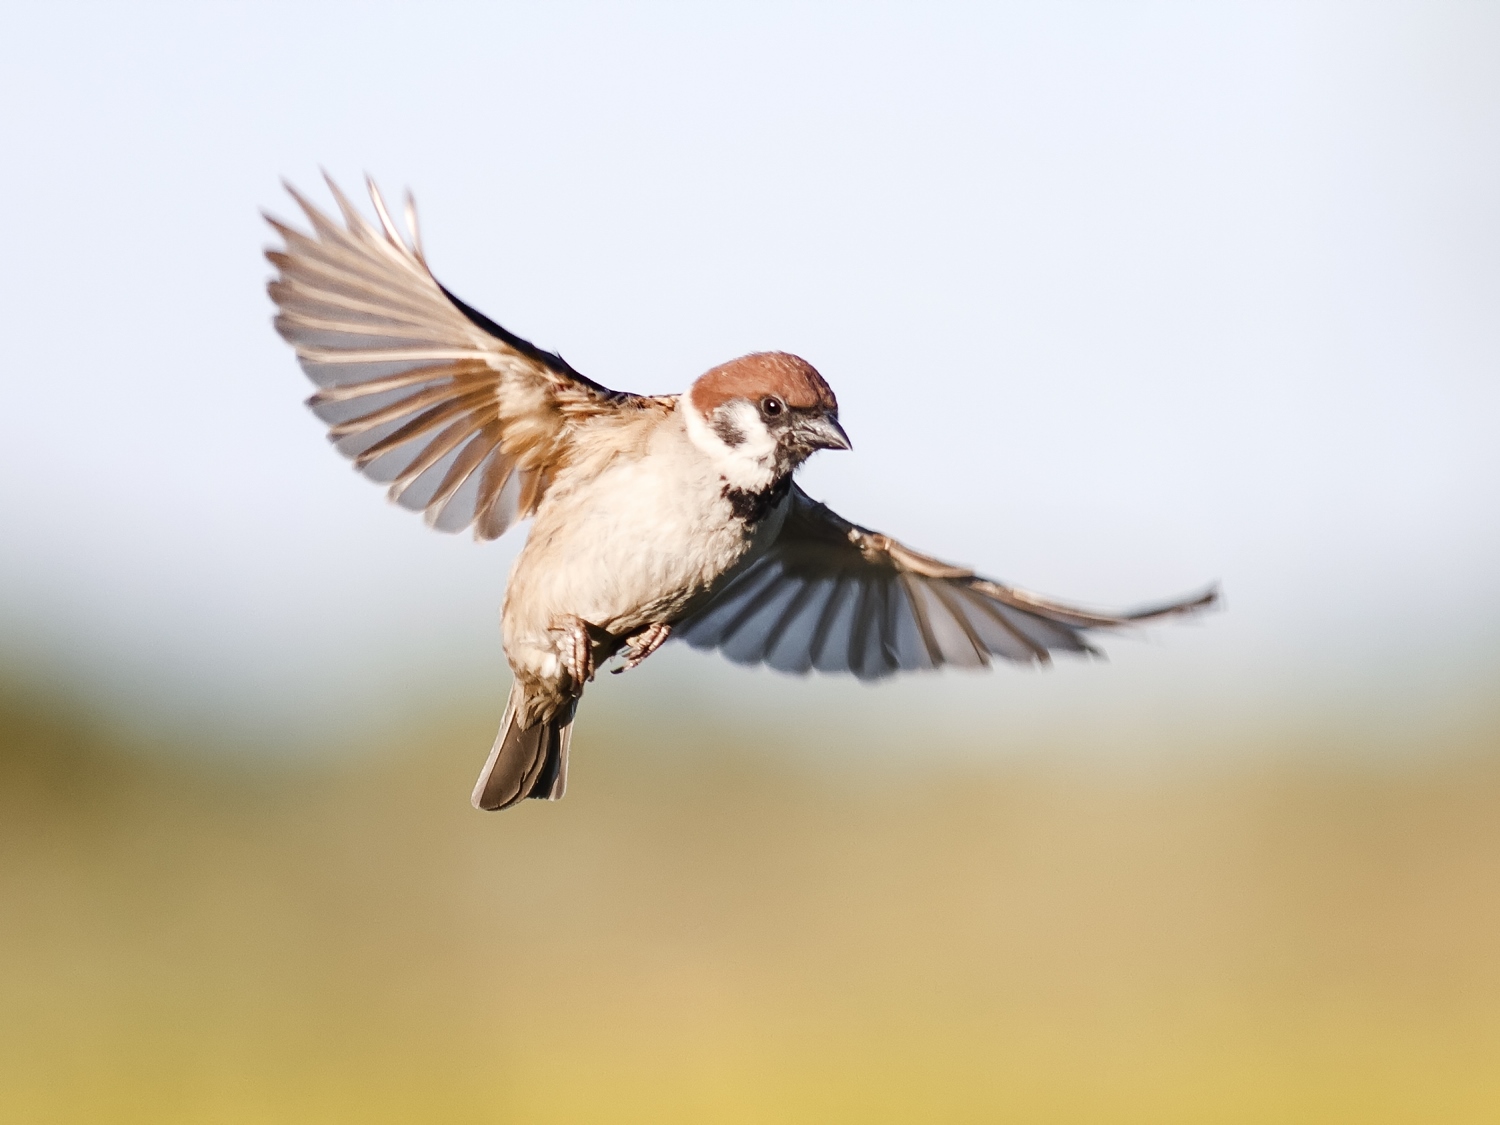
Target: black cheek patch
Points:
(730, 434)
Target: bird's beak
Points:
(822, 431)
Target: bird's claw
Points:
(643, 644)
(577, 652)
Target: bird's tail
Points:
(526, 761)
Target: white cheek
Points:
(751, 464)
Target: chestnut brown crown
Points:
(788, 377)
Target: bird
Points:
(653, 517)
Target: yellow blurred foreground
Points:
(715, 934)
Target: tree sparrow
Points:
(654, 516)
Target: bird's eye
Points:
(771, 407)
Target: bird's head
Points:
(760, 416)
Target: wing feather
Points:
(417, 491)
(495, 505)
(799, 593)
(734, 611)
(795, 649)
(867, 606)
(965, 649)
(1001, 635)
(454, 505)
(464, 420)
(930, 651)
(464, 466)
(831, 595)
(423, 423)
(827, 615)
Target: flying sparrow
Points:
(653, 516)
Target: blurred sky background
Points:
(1117, 300)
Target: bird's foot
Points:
(643, 644)
(577, 651)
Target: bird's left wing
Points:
(462, 419)
(838, 597)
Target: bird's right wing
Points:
(459, 417)
(838, 597)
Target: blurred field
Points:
(706, 932)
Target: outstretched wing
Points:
(462, 419)
(838, 597)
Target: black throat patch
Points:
(752, 507)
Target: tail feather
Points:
(526, 761)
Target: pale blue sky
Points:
(1116, 300)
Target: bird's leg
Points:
(576, 651)
(643, 644)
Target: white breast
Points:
(628, 541)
